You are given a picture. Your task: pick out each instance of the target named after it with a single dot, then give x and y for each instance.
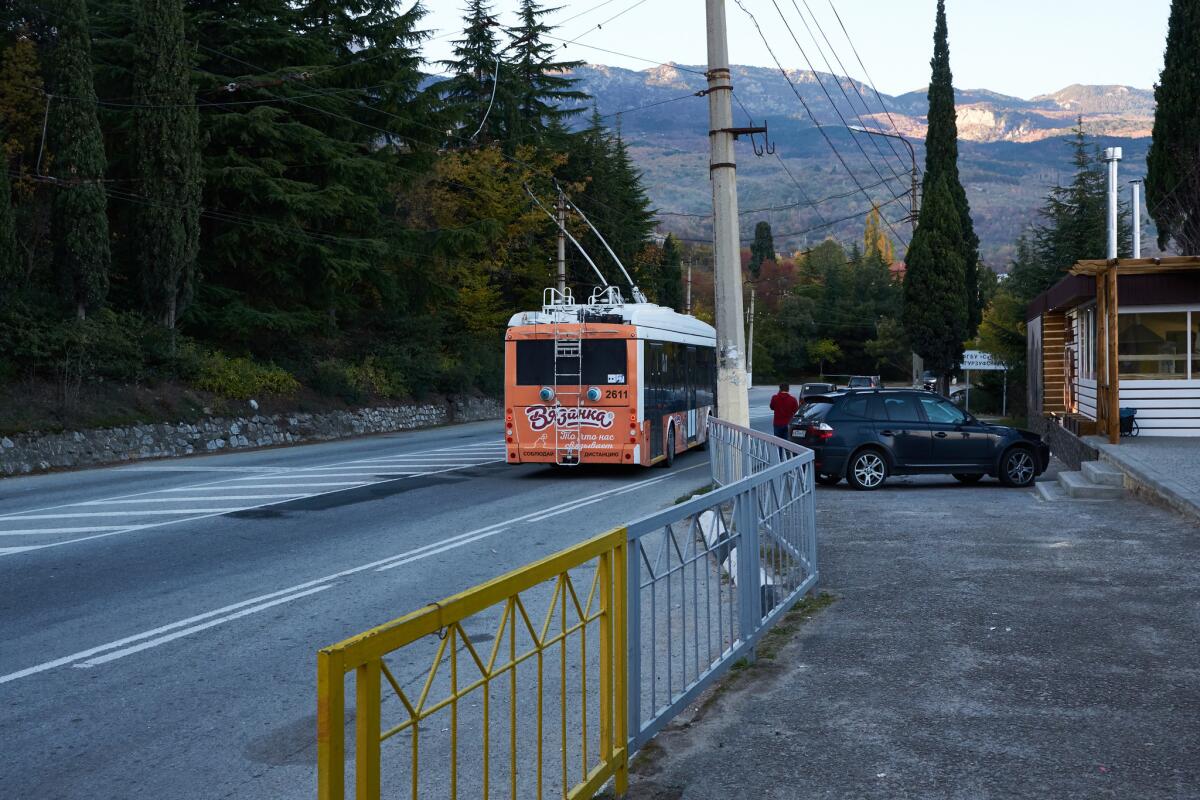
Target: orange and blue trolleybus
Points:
(606, 382)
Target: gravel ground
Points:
(981, 644)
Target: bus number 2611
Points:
(616, 394)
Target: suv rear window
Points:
(811, 412)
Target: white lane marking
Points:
(132, 513)
(407, 557)
(282, 486)
(216, 498)
(281, 472)
(199, 517)
(198, 468)
(91, 651)
(533, 516)
(212, 623)
(88, 529)
(9, 550)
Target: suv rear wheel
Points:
(868, 470)
(1017, 468)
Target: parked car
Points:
(929, 380)
(811, 389)
(864, 382)
(866, 436)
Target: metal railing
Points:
(708, 577)
(555, 687)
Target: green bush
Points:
(357, 383)
(241, 378)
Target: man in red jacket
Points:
(785, 407)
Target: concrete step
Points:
(1080, 488)
(1104, 474)
(1050, 491)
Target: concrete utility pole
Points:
(688, 303)
(1112, 157)
(561, 208)
(733, 399)
(1135, 188)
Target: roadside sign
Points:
(979, 360)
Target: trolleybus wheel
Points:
(670, 459)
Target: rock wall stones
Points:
(39, 452)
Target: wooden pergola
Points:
(1105, 271)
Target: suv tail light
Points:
(820, 431)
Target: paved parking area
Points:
(982, 644)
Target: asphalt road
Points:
(160, 621)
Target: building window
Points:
(1087, 343)
(1153, 346)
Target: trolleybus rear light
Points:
(593, 394)
(547, 394)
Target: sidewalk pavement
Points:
(1165, 467)
(982, 644)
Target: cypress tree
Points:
(167, 160)
(1173, 163)
(761, 249)
(79, 222)
(670, 275)
(935, 317)
(542, 91)
(941, 159)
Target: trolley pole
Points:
(561, 208)
(733, 399)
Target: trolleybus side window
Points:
(675, 373)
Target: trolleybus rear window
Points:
(605, 362)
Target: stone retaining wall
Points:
(1064, 445)
(39, 452)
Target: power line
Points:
(626, 55)
(870, 80)
(838, 81)
(784, 207)
(814, 228)
(818, 125)
(787, 25)
(600, 25)
(782, 163)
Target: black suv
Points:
(864, 436)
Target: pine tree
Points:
(1173, 163)
(935, 317)
(79, 222)
(478, 94)
(941, 160)
(167, 158)
(761, 249)
(542, 91)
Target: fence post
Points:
(633, 639)
(810, 515)
(622, 674)
(749, 592)
(366, 726)
(331, 722)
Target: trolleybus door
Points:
(691, 382)
(655, 378)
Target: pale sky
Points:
(1017, 47)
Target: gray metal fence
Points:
(708, 577)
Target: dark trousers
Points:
(781, 431)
